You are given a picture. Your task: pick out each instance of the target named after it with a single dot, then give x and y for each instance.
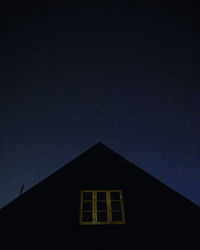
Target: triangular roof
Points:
(151, 207)
(97, 156)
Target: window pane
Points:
(87, 216)
(101, 205)
(116, 205)
(101, 195)
(116, 216)
(87, 195)
(115, 195)
(87, 205)
(101, 216)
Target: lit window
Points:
(101, 207)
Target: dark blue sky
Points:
(73, 74)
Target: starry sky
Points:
(73, 73)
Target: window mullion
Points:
(94, 210)
(109, 210)
(81, 210)
(122, 207)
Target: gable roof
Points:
(49, 212)
(108, 164)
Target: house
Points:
(99, 201)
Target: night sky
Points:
(73, 73)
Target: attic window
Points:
(101, 207)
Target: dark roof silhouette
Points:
(49, 212)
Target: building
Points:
(99, 201)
